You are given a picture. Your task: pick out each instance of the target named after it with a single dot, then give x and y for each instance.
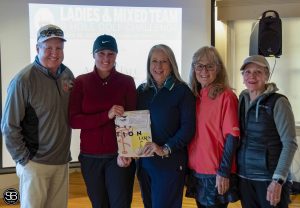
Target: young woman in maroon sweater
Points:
(96, 99)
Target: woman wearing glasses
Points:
(268, 139)
(211, 152)
(172, 111)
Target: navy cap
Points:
(105, 42)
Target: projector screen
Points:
(137, 25)
(136, 30)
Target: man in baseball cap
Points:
(35, 123)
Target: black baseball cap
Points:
(105, 42)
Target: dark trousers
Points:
(254, 193)
(108, 185)
(161, 188)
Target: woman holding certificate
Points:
(96, 99)
(172, 112)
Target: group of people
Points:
(203, 136)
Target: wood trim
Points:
(253, 2)
(229, 10)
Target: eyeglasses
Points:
(156, 62)
(200, 67)
(51, 31)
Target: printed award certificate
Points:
(133, 131)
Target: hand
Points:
(123, 162)
(222, 184)
(116, 110)
(274, 193)
(150, 148)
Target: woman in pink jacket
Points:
(212, 150)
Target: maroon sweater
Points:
(90, 101)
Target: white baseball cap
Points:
(49, 31)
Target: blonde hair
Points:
(221, 81)
(171, 57)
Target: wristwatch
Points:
(166, 150)
(278, 180)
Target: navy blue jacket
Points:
(172, 113)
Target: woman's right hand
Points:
(115, 110)
(274, 193)
(123, 162)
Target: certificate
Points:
(133, 132)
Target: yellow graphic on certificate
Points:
(133, 132)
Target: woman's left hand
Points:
(222, 184)
(274, 193)
(150, 148)
(123, 162)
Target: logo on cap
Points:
(49, 31)
(105, 42)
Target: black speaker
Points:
(266, 37)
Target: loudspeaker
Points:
(266, 37)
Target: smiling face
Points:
(206, 72)
(105, 61)
(160, 67)
(51, 53)
(255, 77)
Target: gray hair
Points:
(171, 57)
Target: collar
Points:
(169, 83)
(47, 71)
(108, 78)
